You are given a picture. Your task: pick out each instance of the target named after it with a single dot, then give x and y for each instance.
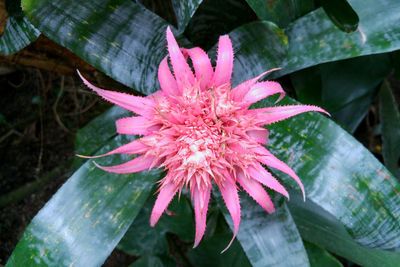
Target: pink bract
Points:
(202, 132)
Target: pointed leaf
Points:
(184, 11)
(85, 219)
(341, 14)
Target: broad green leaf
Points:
(345, 88)
(184, 11)
(120, 38)
(281, 12)
(267, 239)
(320, 227)
(86, 218)
(390, 120)
(19, 32)
(208, 253)
(319, 257)
(339, 174)
(313, 39)
(341, 14)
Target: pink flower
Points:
(202, 132)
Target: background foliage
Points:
(343, 57)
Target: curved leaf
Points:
(118, 37)
(313, 39)
(267, 239)
(319, 257)
(322, 228)
(19, 32)
(390, 120)
(341, 14)
(184, 11)
(281, 12)
(85, 219)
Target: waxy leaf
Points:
(341, 14)
(390, 120)
(121, 38)
(267, 239)
(319, 257)
(184, 10)
(281, 12)
(19, 32)
(86, 218)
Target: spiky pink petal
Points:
(167, 81)
(202, 66)
(140, 105)
(224, 67)
(262, 90)
(200, 204)
(241, 90)
(202, 132)
(167, 192)
(183, 73)
(138, 164)
(274, 114)
(134, 125)
(256, 191)
(260, 136)
(271, 161)
(263, 176)
(231, 198)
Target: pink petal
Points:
(241, 90)
(133, 147)
(182, 71)
(136, 165)
(256, 191)
(231, 198)
(260, 136)
(140, 105)
(274, 114)
(262, 90)
(263, 176)
(167, 81)
(200, 204)
(224, 66)
(134, 125)
(271, 161)
(202, 66)
(166, 194)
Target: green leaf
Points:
(86, 218)
(208, 253)
(340, 175)
(320, 227)
(313, 39)
(344, 88)
(18, 33)
(184, 11)
(390, 120)
(319, 257)
(341, 14)
(267, 239)
(281, 12)
(118, 37)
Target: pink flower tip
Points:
(202, 132)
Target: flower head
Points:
(202, 132)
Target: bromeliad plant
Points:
(202, 132)
(205, 126)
